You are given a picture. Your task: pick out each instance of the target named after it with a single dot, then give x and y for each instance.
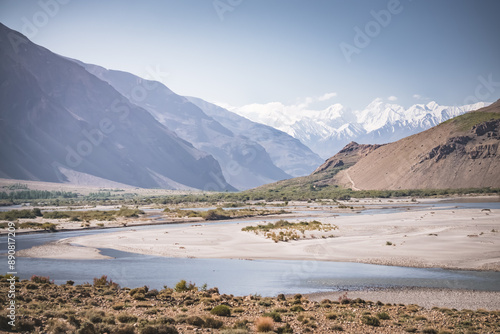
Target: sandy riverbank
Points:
(447, 238)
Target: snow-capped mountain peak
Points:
(328, 130)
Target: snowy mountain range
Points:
(328, 131)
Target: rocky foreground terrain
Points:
(103, 307)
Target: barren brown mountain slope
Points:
(460, 153)
(348, 156)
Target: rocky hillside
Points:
(459, 153)
(348, 156)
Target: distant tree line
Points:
(36, 194)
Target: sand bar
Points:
(446, 238)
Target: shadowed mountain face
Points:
(460, 153)
(286, 152)
(57, 120)
(245, 163)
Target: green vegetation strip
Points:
(71, 215)
(285, 231)
(467, 121)
(220, 213)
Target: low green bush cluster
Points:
(283, 230)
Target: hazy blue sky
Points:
(259, 51)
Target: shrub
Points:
(41, 279)
(183, 286)
(287, 329)
(213, 323)
(264, 324)
(221, 310)
(166, 329)
(70, 282)
(195, 321)
(383, 316)
(166, 321)
(37, 212)
(297, 308)
(124, 330)
(104, 282)
(149, 330)
(49, 227)
(95, 316)
(429, 331)
(118, 307)
(87, 328)
(31, 286)
(126, 318)
(273, 315)
(331, 316)
(58, 326)
(411, 330)
(370, 321)
(337, 328)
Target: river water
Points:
(243, 277)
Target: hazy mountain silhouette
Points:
(58, 119)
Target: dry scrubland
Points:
(103, 307)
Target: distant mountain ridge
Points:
(462, 152)
(287, 152)
(245, 163)
(328, 131)
(59, 122)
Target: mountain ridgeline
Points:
(67, 121)
(60, 123)
(462, 152)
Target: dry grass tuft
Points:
(264, 324)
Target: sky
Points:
(291, 52)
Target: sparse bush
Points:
(59, 326)
(124, 329)
(183, 286)
(87, 328)
(41, 279)
(118, 307)
(167, 329)
(195, 321)
(286, 329)
(297, 308)
(383, 316)
(337, 328)
(331, 316)
(370, 321)
(213, 323)
(103, 281)
(429, 331)
(221, 310)
(126, 318)
(273, 315)
(264, 324)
